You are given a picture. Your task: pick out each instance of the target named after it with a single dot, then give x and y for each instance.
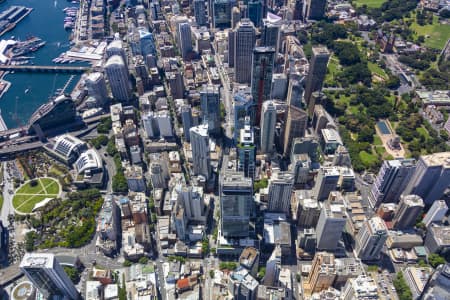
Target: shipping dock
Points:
(12, 16)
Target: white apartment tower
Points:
(117, 74)
(268, 123)
(201, 161)
(371, 238)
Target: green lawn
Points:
(369, 3)
(1, 202)
(368, 159)
(52, 188)
(28, 206)
(436, 35)
(27, 196)
(333, 69)
(377, 140)
(28, 189)
(423, 132)
(376, 69)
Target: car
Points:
(161, 261)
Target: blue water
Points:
(46, 22)
(384, 129)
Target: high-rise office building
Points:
(295, 127)
(431, 177)
(331, 223)
(210, 104)
(268, 123)
(116, 48)
(316, 75)
(326, 182)
(371, 238)
(201, 18)
(262, 70)
(201, 161)
(186, 119)
(270, 34)
(280, 192)
(236, 197)
(294, 93)
(117, 74)
(47, 275)
(255, 11)
(436, 213)
(235, 16)
(245, 38)
(243, 107)
(193, 203)
(231, 47)
(222, 13)
(322, 274)
(185, 36)
(409, 208)
(176, 84)
(147, 42)
(96, 86)
(273, 267)
(314, 9)
(391, 181)
(246, 151)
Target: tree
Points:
(30, 239)
(435, 260)
(143, 260)
(73, 274)
(127, 263)
(261, 272)
(104, 126)
(403, 291)
(211, 273)
(119, 183)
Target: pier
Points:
(44, 69)
(2, 123)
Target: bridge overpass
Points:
(44, 69)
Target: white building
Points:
(361, 288)
(201, 161)
(135, 178)
(69, 147)
(436, 213)
(96, 86)
(164, 123)
(371, 238)
(88, 161)
(47, 275)
(331, 223)
(117, 73)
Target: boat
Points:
(26, 91)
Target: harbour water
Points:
(30, 90)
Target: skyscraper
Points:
(222, 13)
(370, 239)
(295, 127)
(314, 9)
(116, 48)
(431, 177)
(273, 267)
(436, 213)
(231, 47)
(47, 275)
(409, 208)
(242, 107)
(280, 192)
(210, 104)
(235, 16)
(147, 42)
(391, 181)
(117, 74)
(331, 223)
(326, 182)
(270, 35)
(322, 274)
(316, 75)
(246, 151)
(255, 11)
(268, 123)
(262, 70)
(186, 119)
(201, 18)
(193, 203)
(201, 161)
(96, 86)
(245, 38)
(236, 197)
(184, 32)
